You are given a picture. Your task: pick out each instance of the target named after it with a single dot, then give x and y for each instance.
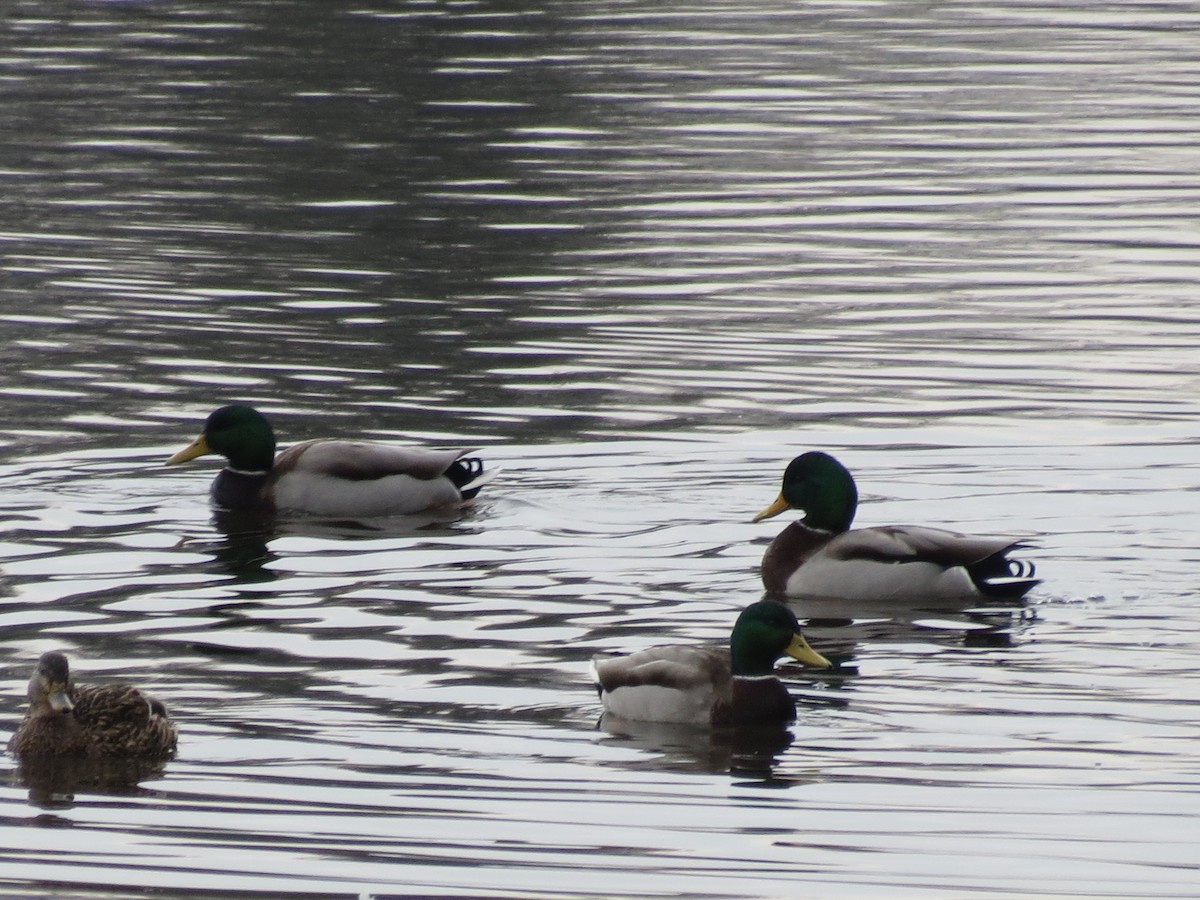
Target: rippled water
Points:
(641, 257)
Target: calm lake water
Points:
(641, 256)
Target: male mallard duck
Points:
(706, 685)
(328, 477)
(820, 556)
(100, 720)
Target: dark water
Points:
(641, 256)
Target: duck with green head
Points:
(327, 477)
(111, 720)
(709, 685)
(820, 556)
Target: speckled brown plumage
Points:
(90, 720)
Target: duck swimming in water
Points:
(820, 556)
(709, 685)
(111, 720)
(328, 477)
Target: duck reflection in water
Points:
(243, 548)
(842, 627)
(751, 752)
(53, 781)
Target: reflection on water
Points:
(841, 625)
(746, 753)
(406, 696)
(643, 256)
(243, 546)
(54, 781)
(565, 220)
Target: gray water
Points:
(641, 256)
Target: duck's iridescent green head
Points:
(822, 487)
(764, 632)
(238, 432)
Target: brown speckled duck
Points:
(820, 556)
(708, 685)
(112, 720)
(326, 477)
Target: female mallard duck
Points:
(820, 556)
(328, 477)
(66, 719)
(705, 685)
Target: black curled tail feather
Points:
(1004, 578)
(463, 471)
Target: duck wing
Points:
(119, 720)
(678, 667)
(363, 460)
(909, 543)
